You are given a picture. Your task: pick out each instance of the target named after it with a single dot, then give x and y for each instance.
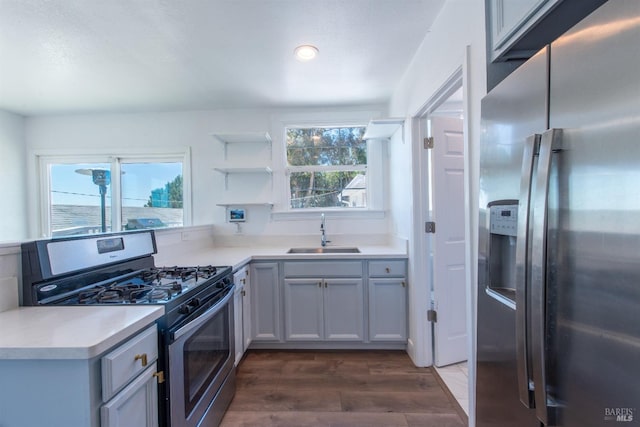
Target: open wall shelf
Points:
(383, 128)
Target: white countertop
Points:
(239, 256)
(70, 332)
(83, 332)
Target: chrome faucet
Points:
(323, 238)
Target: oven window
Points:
(204, 354)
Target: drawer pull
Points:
(142, 357)
(404, 284)
(387, 269)
(244, 281)
(159, 376)
(244, 293)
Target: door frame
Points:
(420, 349)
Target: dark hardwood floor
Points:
(338, 388)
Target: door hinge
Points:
(432, 316)
(428, 143)
(430, 227)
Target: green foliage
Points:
(323, 147)
(174, 194)
(326, 146)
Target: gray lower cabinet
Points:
(136, 405)
(115, 389)
(241, 312)
(329, 303)
(129, 383)
(387, 300)
(324, 309)
(387, 309)
(265, 301)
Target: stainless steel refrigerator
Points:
(558, 327)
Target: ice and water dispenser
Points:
(503, 229)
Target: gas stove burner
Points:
(182, 273)
(129, 292)
(114, 293)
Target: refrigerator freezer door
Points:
(593, 271)
(514, 110)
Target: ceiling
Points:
(88, 56)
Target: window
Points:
(84, 197)
(327, 167)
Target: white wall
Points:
(459, 24)
(164, 131)
(13, 226)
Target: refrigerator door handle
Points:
(525, 383)
(545, 409)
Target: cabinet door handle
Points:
(319, 284)
(325, 284)
(142, 357)
(243, 293)
(387, 269)
(159, 376)
(404, 284)
(244, 281)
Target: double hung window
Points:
(326, 167)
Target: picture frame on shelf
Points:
(235, 214)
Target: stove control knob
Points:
(185, 309)
(194, 302)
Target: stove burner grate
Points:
(130, 292)
(182, 273)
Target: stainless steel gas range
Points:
(196, 341)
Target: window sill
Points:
(307, 214)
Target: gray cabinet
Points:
(323, 301)
(117, 388)
(303, 309)
(265, 302)
(136, 405)
(329, 303)
(324, 309)
(517, 29)
(246, 308)
(387, 286)
(510, 21)
(242, 311)
(129, 385)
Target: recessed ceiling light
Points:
(305, 52)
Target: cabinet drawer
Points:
(323, 269)
(388, 268)
(127, 361)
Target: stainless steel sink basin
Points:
(323, 251)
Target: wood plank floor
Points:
(341, 388)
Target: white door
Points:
(449, 296)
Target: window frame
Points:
(115, 159)
(288, 169)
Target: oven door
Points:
(200, 359)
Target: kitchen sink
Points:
(323, 251)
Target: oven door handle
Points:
(204, 317)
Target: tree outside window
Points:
(327, 167)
